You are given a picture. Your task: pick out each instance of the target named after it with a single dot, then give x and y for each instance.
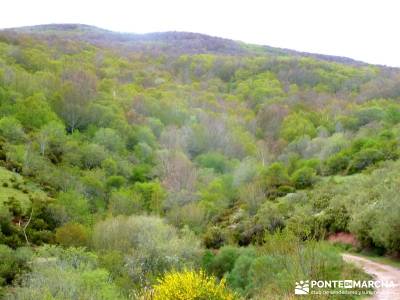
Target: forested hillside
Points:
(133, 166)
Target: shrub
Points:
(92, 155)
(295, 126)
(276, 175)
(12, 263)
(124, 202)
(284, 190)
(149, 245)
(109, 138)
(365, 158)
(11, 129)
(239, 278)
(337, 163)
(214, 160)
(304, 177)
(191, 285)
(192, 215)
(224, 261)
(66, 274)
(115, 181)
(75, 205)
(72, 234)
(214, 237)
(141, 173)
(151, 195)
(269, 217)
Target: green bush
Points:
(365, 158)
(72, 235)
(214, 237)
(337, 163)
(115, 181)
(276, 175)
(11, 129)
(239, 277)
(214, 160)
(66, 274)
(224, 261)
(151, 194)
(304, 177)
(149, 245)
(13, 263)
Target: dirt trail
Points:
(380, 272)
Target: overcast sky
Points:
(366, 30)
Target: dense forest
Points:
(183, 166)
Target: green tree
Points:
(297, 125)
(152, 195)
(304, 177)
(34, 112)
(11, 129)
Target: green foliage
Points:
(365, 158)
(296, 126)
(277, 180)
(76, 207)
(150, 246)
(34, 112)
(12, 129)
(270, 217)
(276, 175)
(151, 195)
(72, 235)
(238, 278)
(51, 139)
(93, 155)
(304, 177)
(141, 173)
(109, 138)
(124, 202)
(337, 163)
(191, 215)
(216, 196)
(224, 261)
(115, 181)
(65, 274)
(256, 272)
(216, 161)
(23, 203)
(13, 263)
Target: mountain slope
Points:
(164, 42)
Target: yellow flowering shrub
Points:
(190, 285)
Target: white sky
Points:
(366, 30)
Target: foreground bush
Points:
(270, 270)
(12, 264)
(149, 246)
(189, 285)
(72, 273)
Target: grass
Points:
(14, 185)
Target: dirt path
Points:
(379, 272)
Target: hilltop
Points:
(164, 42)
